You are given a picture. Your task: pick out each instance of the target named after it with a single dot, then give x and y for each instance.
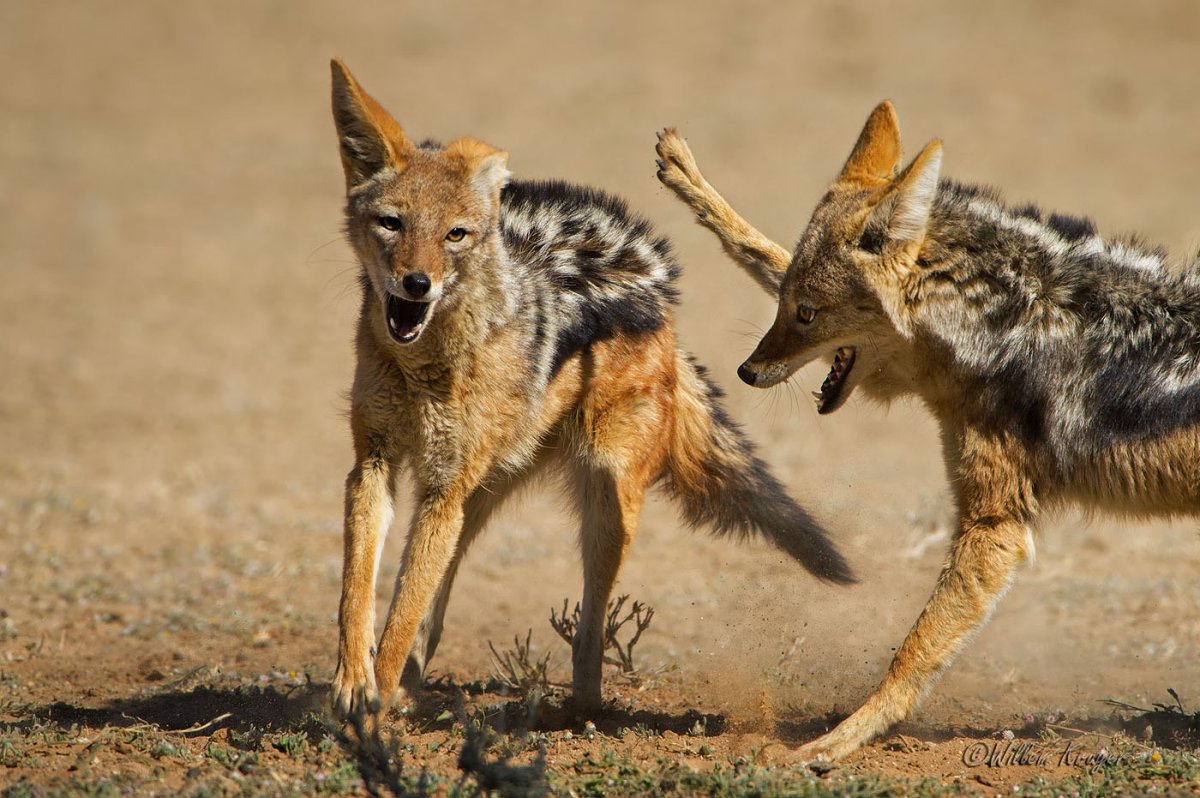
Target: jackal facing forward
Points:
(1061, 366)
(505, 327)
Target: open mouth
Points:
(830, 396)
(405, 319)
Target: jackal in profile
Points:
(507, 328)
(1061, 366)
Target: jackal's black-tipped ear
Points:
(913, 193)
(369, 137)
(877, 153)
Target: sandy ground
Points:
(177, 305)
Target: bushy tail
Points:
(715, 476)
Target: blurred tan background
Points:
(177, 304)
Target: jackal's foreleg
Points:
(369, 507)
(429, 631)
(982, 561)
(479, 509)
(427, 560)
(762, 258)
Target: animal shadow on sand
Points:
(206, 709)
(200, 709)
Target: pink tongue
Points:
(395, 326)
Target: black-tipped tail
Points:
(719, 482)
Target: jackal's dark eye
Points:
(392, 223)
(456, 234)
(805, 314)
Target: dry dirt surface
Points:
(175, 324)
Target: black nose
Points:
(746, 374)
(416, 284)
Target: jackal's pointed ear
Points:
(370, 138)
(877, 152)
(485, 166)
(913, 193)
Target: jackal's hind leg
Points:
(627, 445)
(762, 258)
(610, 507)
(980, 568)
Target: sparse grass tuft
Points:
(518, 671)
(1165, 724)
(379, 760)
(294, 745)
(617, 617)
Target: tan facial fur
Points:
(837, 297)
(414, 212)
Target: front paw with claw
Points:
(354, 690)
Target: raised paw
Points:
(677, 169)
